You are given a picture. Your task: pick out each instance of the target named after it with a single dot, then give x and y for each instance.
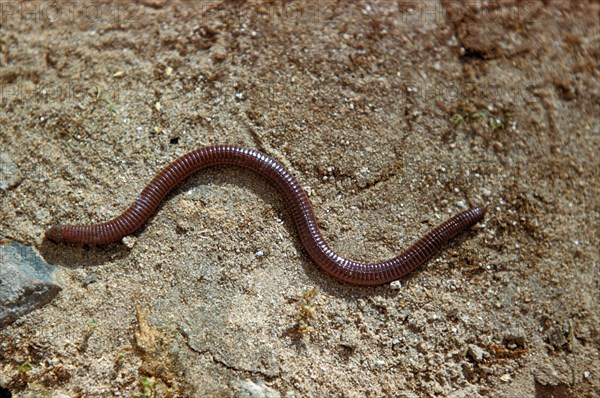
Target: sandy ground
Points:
(393, 115)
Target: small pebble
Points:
(475, 352)
(91, 278)
(587, 374)
(129, 241)
(396, 285)
(516, 335)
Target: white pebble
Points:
(396, 285)
(129, 241)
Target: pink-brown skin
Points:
(298, 204)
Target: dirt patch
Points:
(393, 115)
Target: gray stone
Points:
(476, 352)
(517, 336)
(89, 279)
(26, 282)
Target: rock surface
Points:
(26, 282)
